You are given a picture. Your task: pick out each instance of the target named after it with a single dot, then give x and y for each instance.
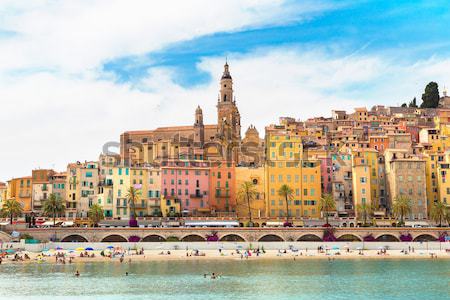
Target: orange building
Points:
(20, 189)
(223, 191)
(379, 142)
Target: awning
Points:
(67, 224)
(4, 223)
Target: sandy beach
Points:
(183, 255)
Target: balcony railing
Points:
(196, 196)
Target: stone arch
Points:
(425, 238)
(193, 238)
(232, 238)
(271, 238)
(153, 238)
(309, 238)
(114, 238)
(75, 238)
(349, 238)
(387, 238)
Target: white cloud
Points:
(51, 118)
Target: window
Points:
(272, 192)
(305, 192)
(363, 180)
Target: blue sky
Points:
(404, 30)
(76, 74)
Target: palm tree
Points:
(96, 214)
(438, 212)
(364, 210)
(54, 205)
(12, 208)
(133, 196)
(327, 204)
(401, 207)
(287, 193)
(247, 192)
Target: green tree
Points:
(287, 193)
(430, 98)
(53, 206)
(11, 208)
(438, 212)
(247, 192)
(413, 103)
(365, 211)
(404, 105)
(133, 197)
(96, 214)
(327, 204)
(401, 207)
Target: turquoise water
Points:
(312, 279)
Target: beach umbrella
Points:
(80, 249)
(110, 247)
(381, 248)
(89, 249)
(59, 248)
(10, 251)
(336, 248)
(359, 248)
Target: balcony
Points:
(198, 196)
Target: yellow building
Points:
(20, 189)
(170, 207)
(3, 193)
(256, 176)
(285, 165)
(147, 180)
(365, 178)
(443, 179)
(82, 188)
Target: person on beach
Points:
(213, 276)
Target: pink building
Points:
(326, 173)
(189, 183)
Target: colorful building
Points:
(189, 183)
(256, 175)
(21, 190)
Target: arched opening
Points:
(425, 238)
(348, 238)
(309, 238)
(74, 238)
(193, 238)
(153, 238)
(344, 224)
(114, 238)
(387, 238)
(232, 238)
(271, 238)
(352, 224)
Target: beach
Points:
(120, 255)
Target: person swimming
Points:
(77, 273)
(213, 276)
(126, 273)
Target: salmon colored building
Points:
(188, 182)
(223, 189)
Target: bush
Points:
(172, 239)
